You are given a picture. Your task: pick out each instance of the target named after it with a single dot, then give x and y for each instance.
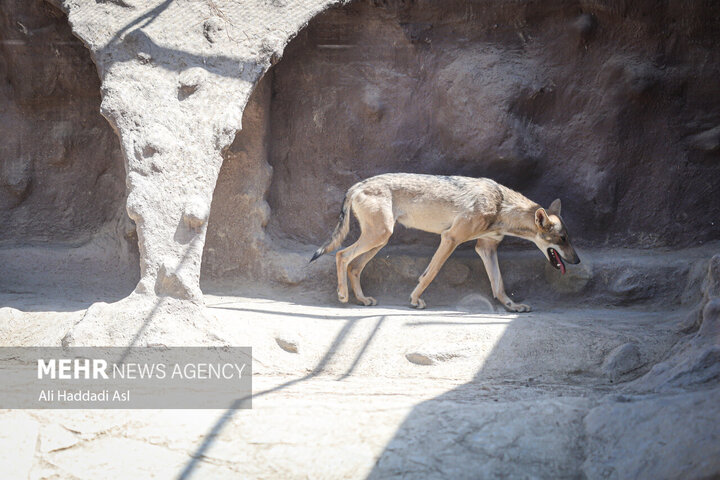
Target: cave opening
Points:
(62, 179)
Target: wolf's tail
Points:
(341, 229)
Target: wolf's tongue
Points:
(560, 262)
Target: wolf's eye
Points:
(563, 238)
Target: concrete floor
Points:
(379, 392)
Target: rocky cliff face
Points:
(61, 172)
(611, 106)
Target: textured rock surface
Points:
(506, 91)
(502, 396)
(613, 105)
(676, 436)
(694, 361)
(610, 107)
(613, 108)
(175, 97)
(61, 176)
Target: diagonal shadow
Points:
(156, 306)
(148, 17)
(221, 422)
(409, 313)
(132, 33)
(364, 348)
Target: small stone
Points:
(630, 285)
(710, 326)
(16, 176)
(712, 284)
(585, 25)
(287, 345)
(574, 280)
(707, 141)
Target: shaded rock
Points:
(707, 141)
(694, 362)
(62, 178)
(669, 437)
(486, 440)
(622, 360)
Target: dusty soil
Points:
(356, 392)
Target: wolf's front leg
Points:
(447, 245)
(487, 249)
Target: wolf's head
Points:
(552, 237)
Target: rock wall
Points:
(61, 173)
(236, 244)
(611, 106)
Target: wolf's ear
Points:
(541, 219)
(555, 207)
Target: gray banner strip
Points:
(118, 378)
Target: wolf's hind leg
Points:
(354, 272)
(487, 249)
(376, 226)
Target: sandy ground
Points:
(355, 392)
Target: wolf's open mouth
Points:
(556, 259)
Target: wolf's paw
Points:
(517, 307)
(367, 301)
(343, 297)
(419, 304)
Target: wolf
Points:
(457, 208)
